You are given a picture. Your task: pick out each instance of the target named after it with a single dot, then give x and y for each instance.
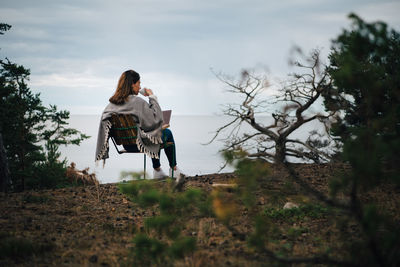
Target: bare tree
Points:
(273, 141)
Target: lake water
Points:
(190, 133)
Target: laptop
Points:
(166, 117)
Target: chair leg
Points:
(173, 160)
(144, 175)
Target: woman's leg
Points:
(169, 149)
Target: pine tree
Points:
(31, 132)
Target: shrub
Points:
(161, 240)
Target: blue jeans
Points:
(169, 150)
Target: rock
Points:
(290, 205)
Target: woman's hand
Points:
(148, 92)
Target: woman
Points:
(149, 120)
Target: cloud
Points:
(187, 95)
(103, 67)
(27, 47)
(88, 92)
(77, 49)
(386, 11)
(371, 12)
(70, 80)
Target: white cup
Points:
(142, 91)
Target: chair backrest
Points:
(124, 129)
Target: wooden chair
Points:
(124, 132)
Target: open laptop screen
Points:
(167, 116)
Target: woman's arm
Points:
(149, 114)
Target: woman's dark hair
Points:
(124, 87)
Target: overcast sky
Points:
(77, 49)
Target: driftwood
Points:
(81, 176)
